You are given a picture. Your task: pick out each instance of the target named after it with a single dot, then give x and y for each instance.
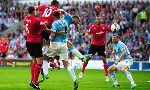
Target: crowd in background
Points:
(133, 32)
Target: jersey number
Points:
(27, 29)
(47, 12)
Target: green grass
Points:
(18, 78)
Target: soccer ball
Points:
(115, 27)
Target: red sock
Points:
(105, 69)
(36, 72)
(56, 65)
(0, 61)
(84, 66)
(9, 61)
(32, 71)
(52, 60)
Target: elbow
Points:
(124, 54)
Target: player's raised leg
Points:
(76, 52)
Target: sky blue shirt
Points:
(57, 26)
(118, 49)
(68, 19)
(148, 38)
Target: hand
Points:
(86, 35)
(38, 3)
(116, 62)
(62, 11)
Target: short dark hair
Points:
(30, 9)
(54, 3)
(75, 17)
(56, 14)
(116, 35)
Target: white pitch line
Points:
(1, 85)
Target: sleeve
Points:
(40, 8)
(90, 30)
(122, 47)
(108, 28)
(54, 27)
(68, 18)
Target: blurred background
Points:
(134, 28)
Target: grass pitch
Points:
(18, 78)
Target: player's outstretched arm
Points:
(62, 11)
(121, 57)
(87, 35)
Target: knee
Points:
(69, 45)
(109, 70)
(125, 69)
(104, 60)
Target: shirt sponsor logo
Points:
(100, 32)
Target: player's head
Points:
(56, 15)
(55, 3)
(99, 20)
(31, 10)
(115, 38)
(75, 20)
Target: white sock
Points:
(45, 67)
(76, 52)
(113, 77)
(71, 71)
(129, 76)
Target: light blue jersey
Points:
(68, 19)
(119, 47)
(57, 26)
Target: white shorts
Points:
(57, 48)
(127, 62)
(44, 49)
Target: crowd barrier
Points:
(93, 64)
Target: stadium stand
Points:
(134, 33)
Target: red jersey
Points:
(46, 14)
(34, 29)
(4, 46)
(99, 34)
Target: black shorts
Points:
(34, 49)
(3, 55)
(99, 49)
